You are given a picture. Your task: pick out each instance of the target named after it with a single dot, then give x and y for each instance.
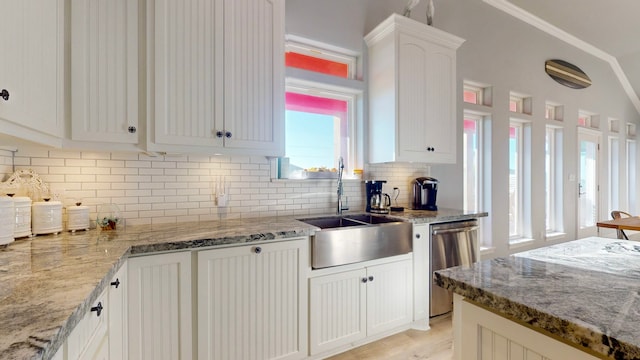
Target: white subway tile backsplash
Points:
(176, 188)
(47, 162)
(80, 163)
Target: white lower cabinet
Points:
(89, 339)
(421, 276)
(252, 301)
(160, 308)
(118, 334)
(349, 306)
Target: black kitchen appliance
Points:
(425, 190)
(374, 191)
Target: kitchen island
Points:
(48, 282)
(577, 300)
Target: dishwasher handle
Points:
(454, 230)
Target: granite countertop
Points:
(47, 283)
(585, 292)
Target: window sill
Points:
(520, 242)
(553, 236)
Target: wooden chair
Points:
(617, 214)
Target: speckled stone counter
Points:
(442, 215)
(585, 292)
(48, 283)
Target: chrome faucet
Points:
(341, 207)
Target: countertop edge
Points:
(569, 332)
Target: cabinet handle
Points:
(257, 250)
(227, 134)
(429, 148)
(364, 280)
(370, 278)
(4, 94)
(116, 283)
(98, 308)
(132, 129)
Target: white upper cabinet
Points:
(412, 92)
(216, 76)
(31, 70)
(104, 71)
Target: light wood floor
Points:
(435, 344)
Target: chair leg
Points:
(621, 235)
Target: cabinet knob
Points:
(257, 250)
(219, 134)
(4, 94)
(227, 134)
(417, 236)
(116, 283)
(132, 129)
(429, 148)
(364, 280)
(98, 308)
(370, 278)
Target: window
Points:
(472, 94)
(520, 103)
(317, 128)
(516, 152)
(471, 161)
(631, 179)
(588, 119)
(553, 180)
(614, 171)
(477, 93)
(515, 104)
(321, 58)
(584, 120)
(519, 181)
(553, 111)
(321, 112)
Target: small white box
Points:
(46, 217)
(77, 218)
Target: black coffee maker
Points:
(377, 201)
(425, 190)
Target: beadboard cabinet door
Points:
(160, 307)
(412, 92)
(389, 296)
(118, 313)
(104, 70)
(216, 76)
(187, 88)
(252, 301)
(32, 70)
(254, 75)
(349, 306)
(339, 310)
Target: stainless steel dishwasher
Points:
(452, 244)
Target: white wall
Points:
(509, 55)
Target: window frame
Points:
(519, 186)
(324, 51)
(479, 122)
(554, 223)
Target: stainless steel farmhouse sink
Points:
(354, 238)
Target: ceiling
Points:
(607, 29)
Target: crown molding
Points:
(560, 34)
